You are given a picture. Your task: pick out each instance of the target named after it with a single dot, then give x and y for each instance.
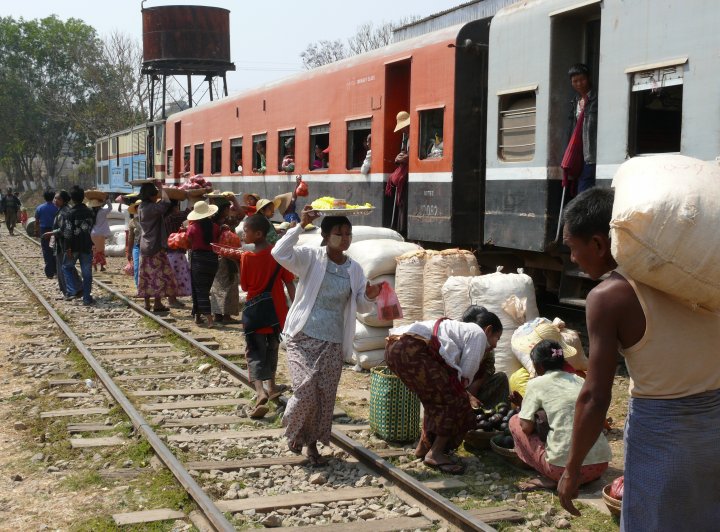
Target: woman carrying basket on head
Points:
(202, 232)
(320, 326)
(438, 360)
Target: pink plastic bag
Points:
(388, 306)
(617, 488)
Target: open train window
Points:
(319, 147)
(104, 175)
(186, 159)
(431, 134)
(286, 150)
(357, 134)
(199, 158)
(260, 153)
(516, 126)
(236, 155)
(656, 111)
(170, 164)
(216, 157)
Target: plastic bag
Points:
(229, 238)
(617, 488)
(302, 189)
(388, 305)
(179, 240)
(128, 268)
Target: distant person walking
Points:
(76, 229)
(44, 219)
(11, 206)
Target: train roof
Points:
(394, 49)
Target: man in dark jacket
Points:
(585, 105)
(11, 206)
(76, 228)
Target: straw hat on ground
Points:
(403, 120)
(543, 331)
(202, 210)
(265, 202)
(285, 200)
(132, 209)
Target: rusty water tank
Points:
(186, 36)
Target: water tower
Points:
(181, 43)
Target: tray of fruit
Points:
(328, 206)
(491, 422)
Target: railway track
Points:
(187, 400)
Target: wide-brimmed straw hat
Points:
(132, 209)
(285, 200)
(543, 331)
(403, 120)
(265, 202)
(251, 195)
(92, 203)
(202, 210)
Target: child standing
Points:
(257, 270)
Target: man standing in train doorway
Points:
(578, 163)
(396, 187)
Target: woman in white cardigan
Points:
(320, 326)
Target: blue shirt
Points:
(45, 215)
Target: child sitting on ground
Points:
(257, 269)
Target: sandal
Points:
(449, 468)
(259, 412)
(294, 447)
(281, 389)
(161, 309)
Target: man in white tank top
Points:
(672, 455)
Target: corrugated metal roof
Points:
(463, 13)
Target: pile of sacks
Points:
(509, 295)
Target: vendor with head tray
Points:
(437, 360)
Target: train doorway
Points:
(397, 98)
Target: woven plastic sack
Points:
(394, 409)
(572, 338)
(377, 257)
(456, 296)
(409, 285)
(438, 268)
(368, 338)
(368, 359)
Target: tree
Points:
(367, 37)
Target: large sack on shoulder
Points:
(371, 318)
(377, 257)
(361, 233)
(369, 338)
(512, 297)
(368, 359)
(664, 226)
(446, 263)
(409, 285)
(456, 296)
(115, 244)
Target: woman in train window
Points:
(157, 279)
(320, 326)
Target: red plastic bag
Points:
(179, 240)
(229, 238)
(388, 305)
(617, 488)
(302, 189)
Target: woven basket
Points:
(479, 439)
(510, 455)
(96, 195)
(175, 193)
(394, 410)
(197, 192)
(613, 504)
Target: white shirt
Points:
(462, 345)
(309, 264)
(102, 227)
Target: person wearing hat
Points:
(174, 220)
(100, 231)
(155, 279)
(267, 208)
(202, 232)
(396, 186)
(555, 392)
(287, 206)
(133, 240)
(250, 199)
(224, 295)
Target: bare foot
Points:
(314, 455)
(537, 484)
(422, 449)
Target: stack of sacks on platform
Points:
(409, 285)
(666, 215)
(438, 268)
(115, 244)
(361, 233)
(509, 295)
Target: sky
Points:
(267, 36)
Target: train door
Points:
(177, 153)
(397, 98)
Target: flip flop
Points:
(448, 468)
(259, 412)
(318, 460)
(296, 449)
(160, 309)
(281, 389)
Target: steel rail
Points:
(433, 500)
(208, 508)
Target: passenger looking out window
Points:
(319, 147)
(287, 154)
(431, 134)
(259, 158)
(236, 155)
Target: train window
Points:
(260, 153)
(357, 134)
(216, 157)
(319, 147)
(170, 166)
(431, 134)
(236, 155)
(104, 150)
(199, 158)
(105, 176)
(656, 111)
(186, 159)
(286, 150)
(516, 131)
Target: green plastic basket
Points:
(394, 409)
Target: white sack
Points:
(377, 257)
(369, 338)
(409, 285)
(361, 233)
(493, 291)
(368, 359)
(115, 244)
(456, 296)
(666, 215)
(446, 263)
(371, 318)
(572, 338)
(118, 217)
